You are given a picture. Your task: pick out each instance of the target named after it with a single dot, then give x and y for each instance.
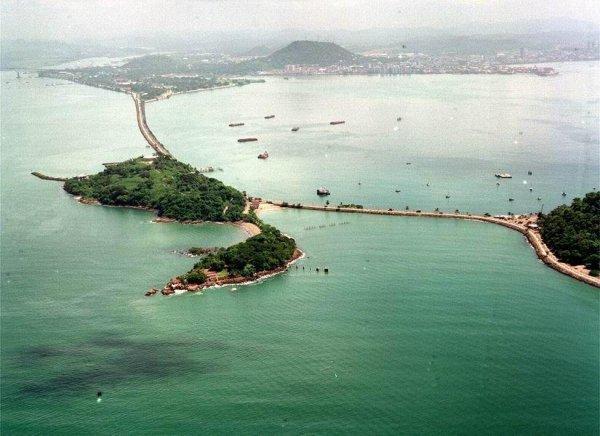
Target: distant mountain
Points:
(488, 44)
(310, 53)
(300, 53)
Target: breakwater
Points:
(524, 224)
(45, 177)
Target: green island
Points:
(573, 232)
(179, 192)
(174, 189)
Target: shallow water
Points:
(421, 325)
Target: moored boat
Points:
(323, 191)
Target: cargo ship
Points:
(247, 139)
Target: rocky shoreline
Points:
(176, 286)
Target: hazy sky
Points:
(69, 19)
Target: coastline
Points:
(231, 85)
(175, 287)
(249, 228)
(518, 223)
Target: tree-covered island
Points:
(179, 192)
(573, 232)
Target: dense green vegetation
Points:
(266, 251)
(176, 190)
(573, 232)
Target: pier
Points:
(140, 109)
(522, 224)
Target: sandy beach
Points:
(249, 228)
(266, 207)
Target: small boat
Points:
(511, 199)
(529, 173)
(397, 191)
(564, 194)
(503, 176)
(333, 123)
(323, 191)
(408, 163)
(236, 124)
(295, 129)
(399, 119)
(530, 189)
(263, 155)
(539, 198)
(247, 139)
(447, 196)
(268, 117)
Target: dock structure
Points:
(140, 109)
(522, 224)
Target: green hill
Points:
(310, 53)
(302, 53)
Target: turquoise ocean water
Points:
(421, 326)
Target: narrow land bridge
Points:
(521, 223)
(140, 109)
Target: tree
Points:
(248, 270)
(195, 276)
